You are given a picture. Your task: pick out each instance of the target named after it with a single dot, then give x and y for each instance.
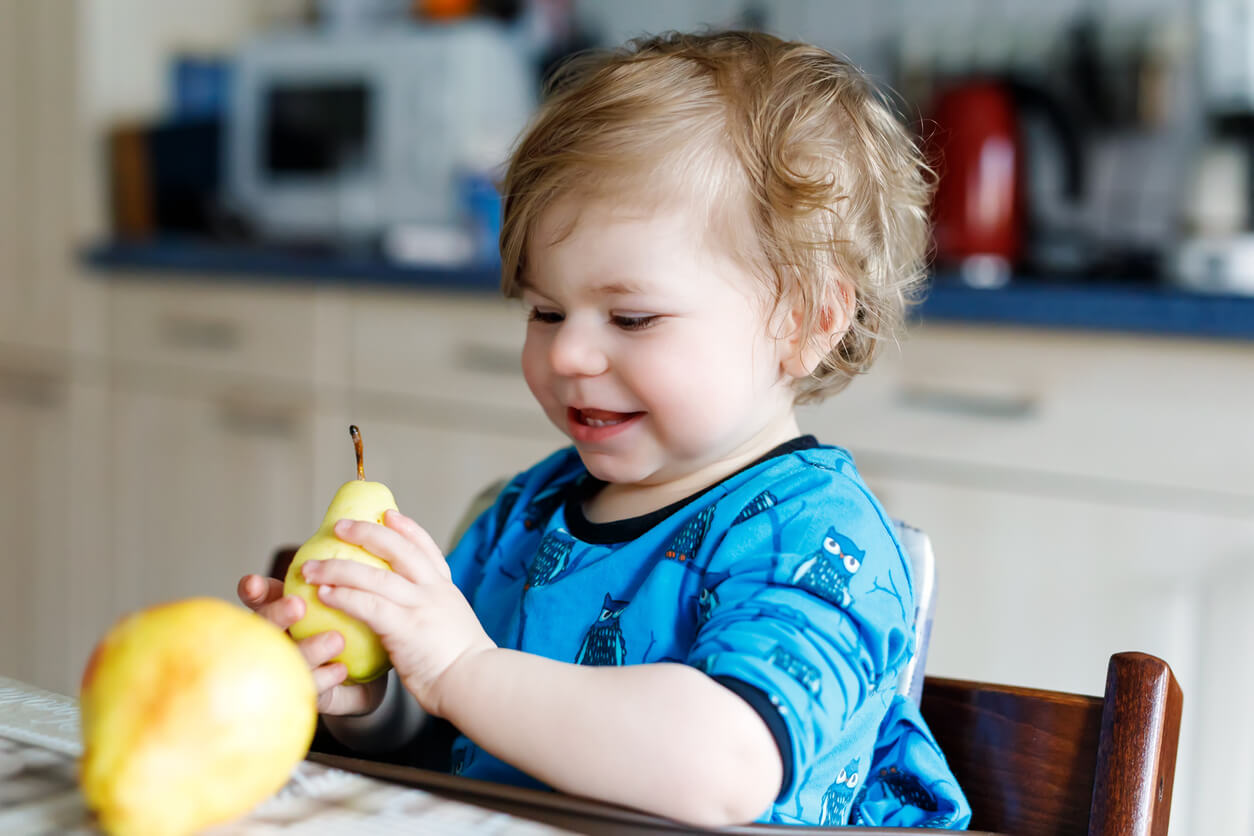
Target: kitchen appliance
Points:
(1011, 178)
(164, 178)
(1226, 32)
(1222, 265)
(1216, 253)
(348, 134)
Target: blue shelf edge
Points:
(1096, 306)
(260, 265)
(1092, 305)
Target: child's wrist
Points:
(395, 718)
(460, 682)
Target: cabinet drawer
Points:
(290, 333)
(1133, 414)
(443, 347)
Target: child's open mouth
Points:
(598, 424)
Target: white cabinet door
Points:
(1039, 590)
(34, 550)
(55, 522)
(205, 487)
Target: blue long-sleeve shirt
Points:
(784, 582)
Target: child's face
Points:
(650, 348)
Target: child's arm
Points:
(661, 737)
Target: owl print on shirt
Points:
(604, 643)
(838, 800)
(828, 571)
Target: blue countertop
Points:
(1091, 304)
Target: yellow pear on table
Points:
(363, 653)
(192, 713)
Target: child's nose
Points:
(576, 353)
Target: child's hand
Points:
(265, 597)
(425, 623)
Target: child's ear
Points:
(802, 356)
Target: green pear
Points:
(363, 653)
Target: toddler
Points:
(695, 610)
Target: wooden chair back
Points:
(1045, 762)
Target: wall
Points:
(869, 31)
(125, 47)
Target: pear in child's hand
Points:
(363, 653)
(192, 713)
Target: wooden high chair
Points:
(1045, 762)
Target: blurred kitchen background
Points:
(229, 228)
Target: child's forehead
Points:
(673, 214)
(652, 249)
(578, 223)
(615, 249)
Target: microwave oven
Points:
(346, 135)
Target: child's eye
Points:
(537, 315)
(629, 322)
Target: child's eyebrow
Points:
(619, 288)
(612, 288)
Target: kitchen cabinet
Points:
(53, 512)
(437, 383)
(221, 397)
(460, 349)
(204, 487)
(34, 441)
(1039, 591)
(1085, 495)
(1131, 417)
(207, 330)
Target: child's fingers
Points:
(390, 585)
(378, 613)
(254, 590)
(284, 612)
(341, 698)
(405, 557)
(321, 648)
(416, 534)
(325, 678)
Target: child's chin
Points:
(608, 468)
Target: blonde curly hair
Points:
(790, 139)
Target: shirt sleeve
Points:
(470, 554)
(807, 599)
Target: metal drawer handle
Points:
(488, 359)
(187, 332)
(28, 388)
(1002, 407)
(241, 415)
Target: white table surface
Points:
(40, 744)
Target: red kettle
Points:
(978, 208)
(982, 214)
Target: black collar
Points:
(620, 531)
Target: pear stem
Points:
(361, 456)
